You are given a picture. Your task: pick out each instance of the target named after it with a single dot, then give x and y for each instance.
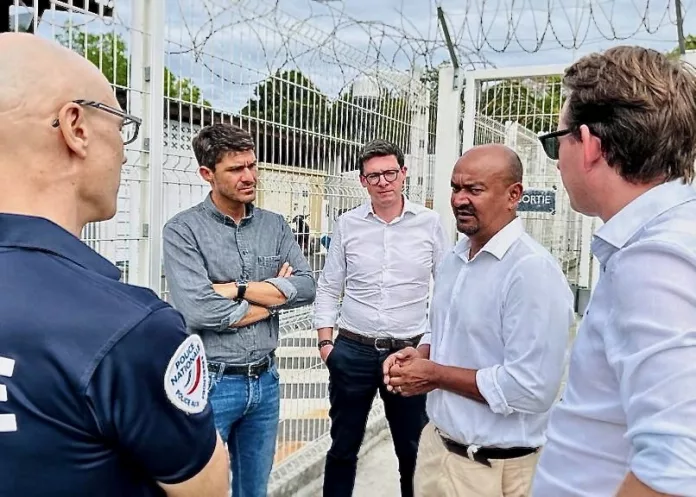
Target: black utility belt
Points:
(484, 454)
(251, 369)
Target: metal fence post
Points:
(447, 146)
(154, 77)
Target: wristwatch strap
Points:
(241, 290)
(324, 342)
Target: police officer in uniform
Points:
(102, 391)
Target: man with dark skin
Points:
(500, 317)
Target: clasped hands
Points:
(407, 373)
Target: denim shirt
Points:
(203, 246)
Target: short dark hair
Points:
(379, 148)
(213, 142)
(642, 106)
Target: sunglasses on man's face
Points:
(551, 144)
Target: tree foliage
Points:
(108, 52)
(362, 118)
(289, 98)
(292, 99)
(533, 103)
(689, 44)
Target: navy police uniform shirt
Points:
(102, 391)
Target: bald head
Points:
(37, 74)
(486, 187)
(47, 140)
(494, 160)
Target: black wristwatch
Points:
(324, 342)
(241, 289)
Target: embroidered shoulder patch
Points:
(186, 379)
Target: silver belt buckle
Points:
(378, 348)
(253, 365)
(471, 451)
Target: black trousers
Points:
(355, 377)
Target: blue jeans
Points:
(246, 410)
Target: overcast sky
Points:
(336, 41)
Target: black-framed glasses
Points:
(130, 125)
(389, 175)
(551, 144)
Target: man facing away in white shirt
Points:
(381, 258)
(500, 319)
(626, 144)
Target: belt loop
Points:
(218, 368)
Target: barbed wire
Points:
(292, 34)
(321, 31)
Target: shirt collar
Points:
(618, 231)
(212, 209)
(37, 233)
(408, 207)
(498, 245)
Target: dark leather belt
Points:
(381, 344)
(252, 369)
(483, 454)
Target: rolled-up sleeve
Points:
(651, 344)
(190, 289)
(300, 288)
(331, 282)
(537, 316)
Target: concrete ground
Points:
(378, 473)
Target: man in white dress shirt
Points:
(500, 318)
(381, 259)
(626, 145)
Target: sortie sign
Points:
(538, 201)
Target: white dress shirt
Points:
(630, 400)
(384, 271)
(507, 313)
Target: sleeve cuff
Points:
(425, 339)
(487, 383)
(285, 287)
(323, 323)
(665, 463)
(238, 313)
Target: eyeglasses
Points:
(551, 144)
(389, 175)
(130, 125)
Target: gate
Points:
(513, 106)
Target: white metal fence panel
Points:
(310, 102)
(513, 107)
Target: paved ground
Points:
(378, 474)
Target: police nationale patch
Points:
(186, 379)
